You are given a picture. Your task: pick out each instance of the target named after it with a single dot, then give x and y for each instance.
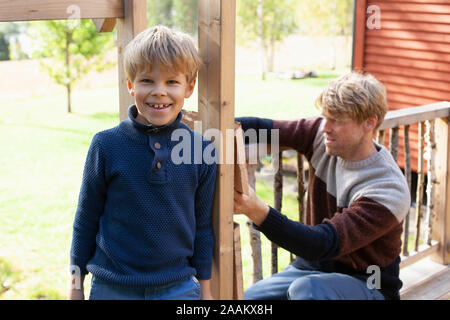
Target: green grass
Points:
(42, 157)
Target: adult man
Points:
(357, 200)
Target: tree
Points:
(267, 22)
(10, 48)
(159, 12)
(75, 48)
(4, 47)
(185, 15)
(179, 14)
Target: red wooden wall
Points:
(410, 53)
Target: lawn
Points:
(41, 163)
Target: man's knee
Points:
(307, 288)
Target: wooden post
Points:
(238, 281)
(359, 29)
(134, 22)
(441, 225)
(216, 35)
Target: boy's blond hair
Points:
(356, 96)
(160, 45)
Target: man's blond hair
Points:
(356, 96)
(160, 45)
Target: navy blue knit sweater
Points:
(141, 219)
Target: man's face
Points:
(159, 94)
(344, 138)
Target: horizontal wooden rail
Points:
(412, 115)
(26, 10)
(423, 251)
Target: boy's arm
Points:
(90, 206)
(76, 290)
(204, 237)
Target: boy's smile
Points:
(159, 94)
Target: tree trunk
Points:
(271, 56)
(262, 46)
(68, 76)
(69, 104)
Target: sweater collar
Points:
(139, 131)
(150, 128)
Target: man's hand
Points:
(250, 205)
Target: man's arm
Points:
(293, 134)
(309, 242)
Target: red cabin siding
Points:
(410, 54)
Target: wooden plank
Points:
(420, 185)
(430, 152)
(416, 17)
(406, 53)
(407, 158)
(105, 25)
(402, 98)
(409, 80)
(436, 95)
(441, 225)
(240, 167)
(433, 287)
(422, 76)
(27, 10)
(416, 35)
(412, 7)
(408, 44)
(415, 1)
(417, 255)
(414, 115)
(238, 282)
(439, 69)
(422, 26)
(216, 34)
(359, 28)
(134, 22)
(397, 101)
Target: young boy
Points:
(143, 224)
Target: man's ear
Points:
(130, 87)
(371, 123)
(190, 88)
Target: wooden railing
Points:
(431, 229)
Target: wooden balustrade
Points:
(432, 217)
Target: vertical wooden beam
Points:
(408, 180)
(134, 21)
(359, 29)
(216, 34)
(420, 185)
(441, 226)
(238, 281)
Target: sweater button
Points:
(158, 165)
(157, 145)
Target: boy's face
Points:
(159, 94)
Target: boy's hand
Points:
(76, 294)
(205, 290)
(76, 291)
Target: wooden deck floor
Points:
(425, 280)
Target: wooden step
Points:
(425, 280)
